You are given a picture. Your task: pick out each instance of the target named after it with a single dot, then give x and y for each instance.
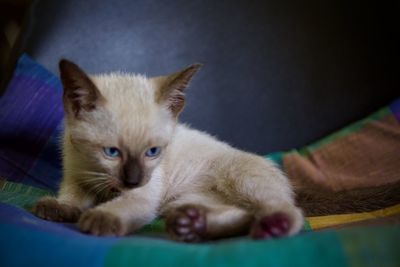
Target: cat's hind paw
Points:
(101, 223)
(272, 226)
(187, 223)
(278, 224)
(50, 209)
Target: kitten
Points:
(127, 161)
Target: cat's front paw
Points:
(50, 209)
(187, 223)
(101, 223)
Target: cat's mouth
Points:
(115, 190)
(108, 193)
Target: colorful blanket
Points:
(30, 124)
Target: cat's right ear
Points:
(171, 88)
(80, 93)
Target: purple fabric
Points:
(30, 114)
(395, 108)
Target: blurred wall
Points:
(276, 75)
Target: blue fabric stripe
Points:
(28, 67)
(29, 241)
(25, 247)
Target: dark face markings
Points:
(132, 172)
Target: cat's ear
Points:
(80, 93)
(171, 88)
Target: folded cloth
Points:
(364, 154)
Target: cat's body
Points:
(127, 161)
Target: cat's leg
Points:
(258, 186)
(192, 222)
(195, 223)
(67, 207)
(123, 214)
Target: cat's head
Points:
(120, 124)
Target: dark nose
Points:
(132, 173)
(131, 184)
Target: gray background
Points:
(276, 75)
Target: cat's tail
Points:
(316, 201)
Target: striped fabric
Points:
(31, 119)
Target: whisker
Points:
(93, 173)
(93, 176)
(96, 184)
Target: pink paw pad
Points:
(187, 224)
(271, 226)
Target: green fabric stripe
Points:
(309, 249)
(372, 246)
(276, 157)
(156, 227)
(20, 195)
(307, 226)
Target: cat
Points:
(127, 160)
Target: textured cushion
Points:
(31, 119)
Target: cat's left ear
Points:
(80, 93)
(171, 88)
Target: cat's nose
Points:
(132, 178)
(132, 173)
(131, 184)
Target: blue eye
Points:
(153, 152)
(111, 152)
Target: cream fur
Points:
(236, 187)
